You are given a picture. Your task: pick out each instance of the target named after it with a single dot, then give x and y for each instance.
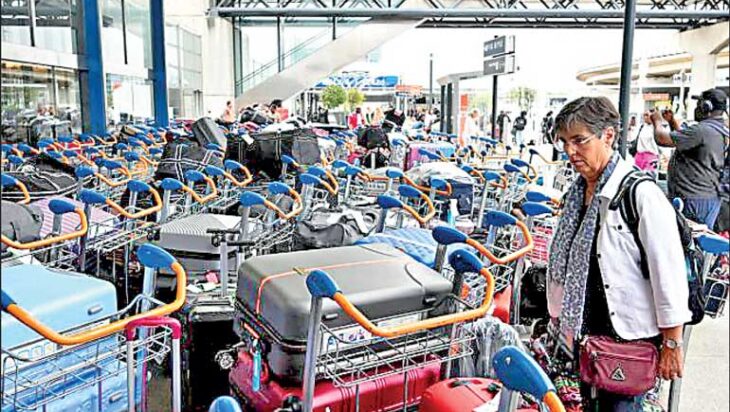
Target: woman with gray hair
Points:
(617, 321)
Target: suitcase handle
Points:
(150, 256)
(447, 235)
(321, 285)
(58, 207)
(156, 207)
(231, 165)
(8, 180)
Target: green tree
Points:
(481, 101)
(523, 96)
(354, 98)
(333, 96)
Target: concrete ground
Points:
(706, 383)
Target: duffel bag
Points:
(181, 155)
(43, 176)
(372, 138)
(20, 223)
(310, 234)
(261, 152)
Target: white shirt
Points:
(646, 141)
(638, 307)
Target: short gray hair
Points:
(595, 113)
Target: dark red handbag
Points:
(623, 368)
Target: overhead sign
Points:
(499, 46)
(653, 97)
(499, 65)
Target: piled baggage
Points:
(305, 268)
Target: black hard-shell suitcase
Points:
(380, 280)
(206, 131)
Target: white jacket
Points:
(638, 307)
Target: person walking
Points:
(356, 119)
(519, 128)
(596, 289)
(378, 116)
(229, 114)
(502, 118)
(696, 165)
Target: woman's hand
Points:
(671, 363)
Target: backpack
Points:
(719, 127)
(625, 200)
(520, 123)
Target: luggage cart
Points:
(507, 242)
(385, 348)
(71, 367)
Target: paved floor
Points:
(706, 383)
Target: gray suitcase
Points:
(187, 240)
(380, 280)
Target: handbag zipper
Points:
(595, 355)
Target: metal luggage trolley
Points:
(232, 178)
(387, 348)
(489, 196)
(272, 230)
(87, 363)
(507, 242)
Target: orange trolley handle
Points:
(10, 181)
(321, 285)
(138, 187)
(446, 235)
(248, 199)
(150, 256)
(194, 176)
(59, 207)
(390, 202)
(231, 166)
(331, 185)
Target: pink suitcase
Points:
(380, 395)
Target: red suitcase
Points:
(460, 395)
(383, 394)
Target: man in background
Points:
(696, 165)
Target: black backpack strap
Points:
(625, 201)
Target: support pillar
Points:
(93, 100)
(159, 68)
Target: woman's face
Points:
(588, 153)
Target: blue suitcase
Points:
(62, 301)
(416, 243)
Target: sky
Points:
(547, 59)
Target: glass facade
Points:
(139, 36)
(56, 22)
(112, 31)
(16, 22)
(128, 99)
(38, 101)
(126, 32)
(184, 72)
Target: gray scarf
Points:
(570, 252)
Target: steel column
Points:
(159, 71)
(430, 81)
(92, 79)
(280, 44)
(627, 59)
(494, 108)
